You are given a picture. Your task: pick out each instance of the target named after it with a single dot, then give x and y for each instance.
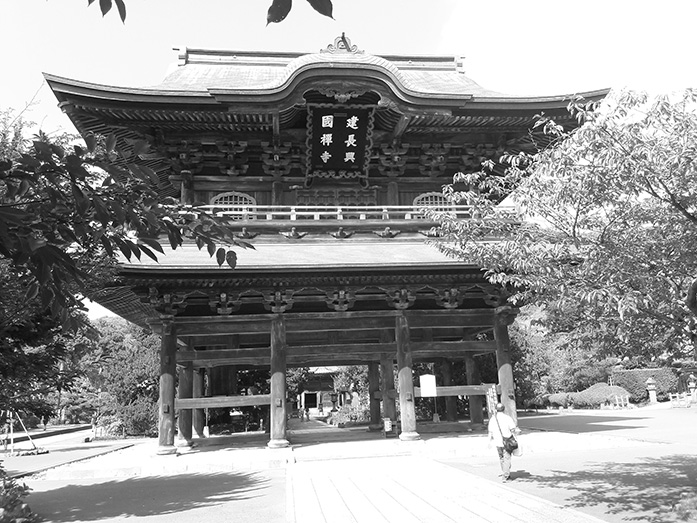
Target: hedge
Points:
(634, 381)
(560, 399)
(597, 395)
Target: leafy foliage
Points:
(352, 378)
(60, 204)
(350, 414)
(12, 506)
(277, 12)
(634, 380)
(127, 392)
(609, 214)
(597, 395)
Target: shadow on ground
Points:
(144, 496)
(648, 489)
(579, 424)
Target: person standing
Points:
(501, 426)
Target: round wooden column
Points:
(373, 387)
(446, 369)
(473, 378)
(389, 406)
(199, 419)
(278, 383)
(504, 317)
(405, 378)
(168, 368)
(186, 390)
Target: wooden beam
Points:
(330, 352)
(458, 390)
(212, 402)
(327, 321)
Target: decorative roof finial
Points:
(341, 44)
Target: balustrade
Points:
(327, 212)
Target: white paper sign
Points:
(427, 384)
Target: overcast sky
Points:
(511, 46)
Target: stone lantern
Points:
(651, 387)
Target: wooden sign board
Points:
(427, 385)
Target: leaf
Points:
(148, 252)
(32, 291)
(139, 147)
(323, 7)
(231, 258)
(105, 6)
(220, 256)
(122, 9)
(151, 242)
(278, 11)
(151, 174)
(107, 245)
(90, 142)
(111, 139)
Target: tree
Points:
(64, 205)
(277, 12)
(609, 217)
(128, 394)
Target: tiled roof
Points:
(303, 254)
(199, 70)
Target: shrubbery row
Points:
(593, 397)
(635, 382)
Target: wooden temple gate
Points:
(324, 163)
(416, 321)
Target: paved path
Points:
(334, 475)
(409, 490)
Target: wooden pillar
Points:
(405, 380)
(199, 415)
(446, 370)
(168, 368)
(187, 187)
(373, 387)
(185, 390)
(278, 383)
(503, 362)
(392, 193)
(388, 395)
(473, 378)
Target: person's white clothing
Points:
(507, 425)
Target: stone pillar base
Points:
(409, 436)
(375, 428)
(166, 450)
(278, 443)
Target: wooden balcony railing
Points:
(326, 212)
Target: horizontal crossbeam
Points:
(458, 390)
(212, 402)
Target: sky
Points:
(518, 47)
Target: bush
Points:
(560, 399)
(12, 507)
(350, 414)
(597, 395)
(634, 381)
(139, 418)
(686, 509)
